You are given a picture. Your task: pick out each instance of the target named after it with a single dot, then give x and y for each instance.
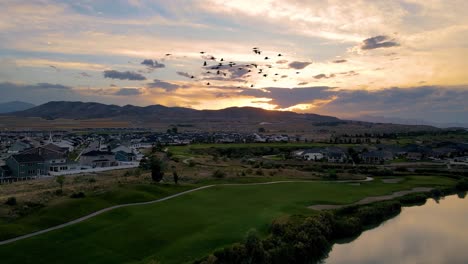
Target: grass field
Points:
(190, 226)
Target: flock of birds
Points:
(219, 69)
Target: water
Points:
(433, 233)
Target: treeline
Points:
(301, 239)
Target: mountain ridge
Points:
(14, 106)
(92, 110)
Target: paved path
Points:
(81, 219)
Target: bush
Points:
(259, 172)
(78, 195)
(11, 201)
(219, 174)
(91, 180)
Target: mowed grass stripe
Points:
(189, 226)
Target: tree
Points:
(60, 180)
(176, 177)
(261, 130)
(157, 169)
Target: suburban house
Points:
(376, 156)
(125, 156)
(414, 156)
(312, 154)
(98, 159)
(3, 173)
(18, 147)
(55, 157)
(24, 166)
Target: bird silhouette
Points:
(251, 85)
(168, 54)
(204, 63)
(265, 75)
(202, 52)
(279, 55)
(266, 58)
(207, 83)
(222, 59)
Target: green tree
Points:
(176, 177)
(157, 169)
(60, 180)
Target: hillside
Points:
(14, 106)
(80, 110)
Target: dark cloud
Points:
(324, 76)
(340, 61)
(163, 85)
(378, 42)
(128, 92)
(226, 73)
(48, 86)
(184, 74)
(298, 65)
(126, 75)
(85, 74)
(349, 73)
(154, 64)
(440, 103)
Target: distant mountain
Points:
(80, 110)
(404, 121)
(14, 106)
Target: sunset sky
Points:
(402, 58)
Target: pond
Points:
(436, 232)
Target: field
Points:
(190, 226)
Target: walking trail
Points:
(81, 219)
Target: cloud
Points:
(298, 65)
(163, 85)
(48, 86)
(128, 92)
(340, 61)
(376, 42)
(85, 74)
(154, 64)
(126, 75)
(285, 98)
(184, 74)
(324, 76)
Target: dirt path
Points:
(370, 199)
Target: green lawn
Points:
(67, 209)
(192, 225)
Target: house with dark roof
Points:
(55, 157)
(25, 166)
(376, 156)
(18, 147)
(98, 159)
(125, 156)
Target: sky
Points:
(346, 58)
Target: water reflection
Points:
(434, 233)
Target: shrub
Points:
(11, 201)
(78, 195)
(91, 180)
(219, 174)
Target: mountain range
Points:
(14, 106)
(81, 111)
